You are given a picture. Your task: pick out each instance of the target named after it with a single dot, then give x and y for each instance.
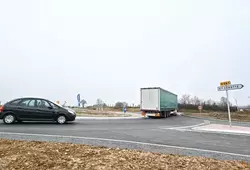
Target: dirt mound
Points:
(47, 155)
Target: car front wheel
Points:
(9, 119)
(61, 119)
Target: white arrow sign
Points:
(230, 87)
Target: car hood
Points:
(71, 110)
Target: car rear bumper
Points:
(1, 115)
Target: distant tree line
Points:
(189, 102)
(185, 102)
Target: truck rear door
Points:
(150, 99)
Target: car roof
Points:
(23, 98)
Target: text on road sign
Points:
(225, 83)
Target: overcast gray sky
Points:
(111, 48)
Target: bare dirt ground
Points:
(236, 116)
(63, 156)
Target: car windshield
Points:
(56, 104)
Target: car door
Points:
(44, 110)
(57, 110)
(26, 109)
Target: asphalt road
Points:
(143, 134)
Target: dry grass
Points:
(136, 109)
(102, 114)
(130, 109)
(236, 116)
(63, 156)
(96, 113)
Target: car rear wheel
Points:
(61, 119)
(9, 119)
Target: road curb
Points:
(107, 118)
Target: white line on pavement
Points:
(206, 122)
(213, 132)
(218, 132)
(127, 141)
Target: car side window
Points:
(54, 106)
(42, 104)
(24, 103)
(15, 102)
(31, 103)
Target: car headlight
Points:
(72, 112)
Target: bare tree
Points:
(105, 105)
(223, 101)
(99, 104)
(125, 104)
(83, 102)
(196, 101)
(209, 102)
(121, 104)
(185, 99)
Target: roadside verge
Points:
(126, 144)
(105, 118)
(47, 155)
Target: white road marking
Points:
(215, 132)
(206, 122)
(222, 130)
(127, 141)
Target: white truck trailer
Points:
(158, 102)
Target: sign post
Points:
(226, 86)
(200, 108)
(78, 100)
(124, 110)
(228, 109)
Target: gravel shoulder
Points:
(15, 154)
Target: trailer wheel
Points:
(165, 114)
(168, 114)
